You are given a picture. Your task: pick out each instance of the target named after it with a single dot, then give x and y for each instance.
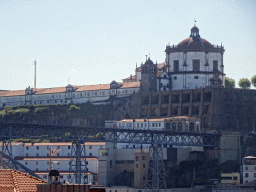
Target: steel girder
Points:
(97, 134)
(8, 162)
(78, 164)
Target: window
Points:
(153, 124)
(246, 168)
(68, 147)
(141, 124)
(254, 175)
(36, 169)
(175, 77)
(90, 154)
(58, 163)
(246, 175)
(176, 65)
(80, 94)
(196, 77)
(58, 154)
(137, 158)
(68, 154)
(27, 154)
(215, 65)
(37, 154)
(90, 147)
(196, 65)
(235, 178)
(52, 96)
(58, 147)
(61, 176)
(45, 177)
(144, 158)
(26, 163)
(144, 165)
(37, 163)
(27, 148)
(110, 163)
(137, 165)
(95, 93)
(144, 178)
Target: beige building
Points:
(230, 178)
(140, 168)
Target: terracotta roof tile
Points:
(93, 87)
(130, 85)
(13, 180)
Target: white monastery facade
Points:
(193, 63)
(96, 94)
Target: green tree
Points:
(229, 82)
(253, 81)
(74, 111)
(244, 83)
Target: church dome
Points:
(195, 41)
(149, 62)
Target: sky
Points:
(85, 42)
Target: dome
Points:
(194, 29)
(149, 62)
(195, 43)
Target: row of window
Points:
(58, 147)
(196, 65)
(246, 175)
(143, 158)
(74, 95)
(195, 77)
(145, 124)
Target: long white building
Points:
(96, 94)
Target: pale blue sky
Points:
(94, 42)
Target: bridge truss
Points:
(79, 135)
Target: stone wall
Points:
(218, 108)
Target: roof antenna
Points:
(35, 75)
(146, 57)
(149, 55)
(68, 80)
(194, 22)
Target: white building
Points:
(96, 94)
(193, 63)
(36, 156)
(249, 169)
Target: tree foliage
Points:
(253, 81)
(229, 82)
(244, 83)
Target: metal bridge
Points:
(79, 135)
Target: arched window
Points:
(174, 127)
(191, 127)
(168, 126)
(180, 127)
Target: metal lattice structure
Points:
(79, 135)
(98, 134)
(7, 162)
(156, 172)
(78, 164)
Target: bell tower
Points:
(148, 76)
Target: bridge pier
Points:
(78, 164)
(156, 172)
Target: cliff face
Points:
(71, 115)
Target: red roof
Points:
(194, 43)
(13, 180)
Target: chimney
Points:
(35, 76)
